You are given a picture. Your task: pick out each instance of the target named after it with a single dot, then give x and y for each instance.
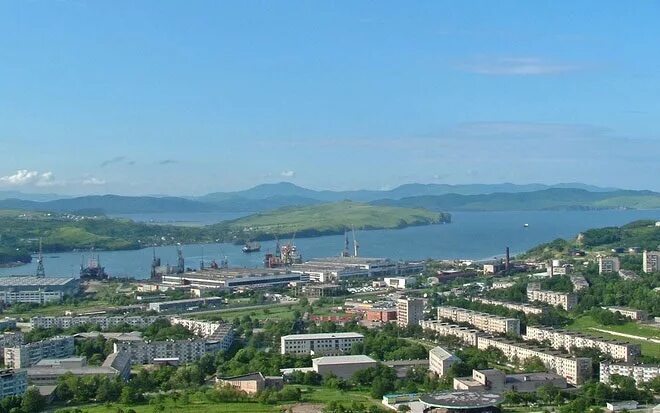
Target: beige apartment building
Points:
(523, 308)
(651, 261)
(467, 335)
(410, 311)
(483, 321)
(322, 344)
(608, 265)
(440, 360)
(567, 301)
(641, 373)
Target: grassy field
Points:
(585, 324)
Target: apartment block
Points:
(11, 339)
(323, 344)
(651, 261)
(567, 301)
(103, 321)
(12, 382)
(440, 360)
(608, 265)
(637, 315)
(483, 321)
(523, 308)
(410, 311)
(558, 338)
(641, 373)
(181, 351)
(576, 370)
(467, 335)
(27, 355)
(185, 305)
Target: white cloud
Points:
(25, 177)
(93, 181)
(288, 174)
(516, 66)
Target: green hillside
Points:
(330, 219)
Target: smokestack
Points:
(508, 260)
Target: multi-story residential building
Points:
(219, 336)
(11, 339)
(641, 373)
(185, 305)
(103, 321)
(523, 308)
(628, 275)
(467, 335)
(409, 311)
(322, 344)
(28, 355)
(637, 315)
(36, 290)
(576, 370)
(565, 300)
(148, 352)
(608, 265)
(579, 282)
(558, 339)
(440, 360)
(651, 261)
(7, 323)
(12, 382)
(482, 321)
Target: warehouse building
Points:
(342, 366)
(232, 278)
(36, 290)
(482, 321)
(48, 371)
(327, 344)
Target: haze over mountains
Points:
(438, 197)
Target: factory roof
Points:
(343, 360)
(461, 399)
(322, 336)
(32, 281)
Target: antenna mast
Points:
(41, 272)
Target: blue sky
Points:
(198, 96)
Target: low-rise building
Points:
(461, 402)
(608, 265)
(381, 314)
(342, 366)
(440, 360)
(186, 305)
(482, 321)
(409, 311)
(48, 371)
(496, 381)
(400, 283)
(251, 383)
(626, 405)
(330, 344)
(105, 322)
(567, 301)
(651, 261)
(27, 355)
(467, 335)
(523, 308)
(641, 373)
(565, 339)
(232, 278)
(576, 370)
(636, 315)
(36, 290)
(12, 382)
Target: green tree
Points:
(33, 401)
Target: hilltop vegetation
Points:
(20, 231)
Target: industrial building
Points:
(641, 373)
(576, 370)
(103, 321)
(342, 366)
(12, 382)
(558, 339)
(232, 278)
(607, 265)
(330, 344)
(496, 381)
(186, 305)
(461, 402)
(651, 261)
(48, 371)
(523, 308)
(36, 290)
(338, 268)
(440, 360)
(565, 300)
(483, 321)
(27, 355)
(409, 311)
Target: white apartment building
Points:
(27, 355)
(143, 352)
(103, 321)
(567, 301)
(641, 373)
(482, 321)
(523, 308)
(440, 360)
(11, 339)
(219, 336)
(576, 370)
(12, 382)
(651, 261)
(409, 311)
(558, 338)
(467, 335)
(499, 285)
(608, 265)
(637, 315)
(322, 344)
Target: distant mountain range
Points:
(437, 197)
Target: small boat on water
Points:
(526, 225)
(251, 247)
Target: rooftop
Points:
(32, 281)
(343, 360)
(441, 353)
(461, 399)
(322, 336)
(243, 377)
